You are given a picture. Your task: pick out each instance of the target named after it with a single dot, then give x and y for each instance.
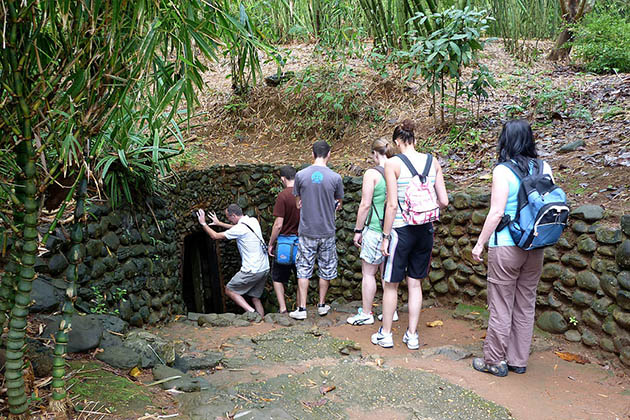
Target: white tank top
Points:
(418, 160)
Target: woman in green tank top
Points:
(368, 228)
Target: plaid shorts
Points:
(325, 249)
(371, 247)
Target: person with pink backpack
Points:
(415, 195)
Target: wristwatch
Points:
(387, 236)
(358, 231)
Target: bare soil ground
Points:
(551, 389)
(278, 124)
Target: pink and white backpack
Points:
(420, 204)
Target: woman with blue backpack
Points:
(527, 212)
(368, 230)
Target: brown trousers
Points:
(513, 276)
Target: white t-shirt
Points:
(253, 258)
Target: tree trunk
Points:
(561, 51)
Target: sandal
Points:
(497, 370)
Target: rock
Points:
(622, 318)
(552, 321)
(623, 254)
(193, 316)
(450, 265)
(119, 357)
(623, 299)
(136, 320)
(580, 226)
(85, 334)
(251, 317)
(589, 338)
(453, 287)
(564, 243)
(551, 255)
(586, 245)
(110, 340)
(573, 336)
(588, 212)
(125, 309)
(40, 356)
(110, 239)
(609, 283)
(608, 236)
(478, 281)
(574, 260)
(184, 383)
(203, 361)
(610, 327)
(581, 298)
(461, 200)
(552, 271)
(590, 319)
(587, 280)
(112, 323)
(57, 264)
(600, 306)
(621, 342)
(479, 216)
(436, 275)
(623, 278)
(449, 351)
(607, 251)
(153, 350)
(625, 224)
(441, 287)
(607, 344)
(624, 356)
(45, 296)
(553, 302)
(572, 147)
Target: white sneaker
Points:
(322, 309)
(380, 316)
(411, 340)
(361, 318)
(382, 339)
(298, 314)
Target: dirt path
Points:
(286, 361)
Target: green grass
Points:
(92, 383)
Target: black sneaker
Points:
(497, 370)
(517, 369)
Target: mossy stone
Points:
(607, 345)
(581, 298)
(553, 301)
(602, 266)
(610, 327)
(568, 278)
(623, 278)
(590, 319)
(543, 288)
(441, 287)
(623, 299)
(562, 290)
(606, 250)
(586, 245)
(623, 254)
(600, 306)
(551, 255)
(624, 356)
(589, 338)
(552, 271)
(479, 217)
(625, 224)
(436, 275)
(609, 284)
(478, 281)
(110, 239)
(579, 226)
(608, 236)
(588, 212)
(457, 231)
(622, 318)
(453, 287)
(450, 264)
(552, 321)
(587, 280)
(461, 200)
(564, 243)
(574, 260)
(573, 336)
(462, 217)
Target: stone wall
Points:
(584, 292)
(131, 266)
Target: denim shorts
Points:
(371, 247)
(322, 249)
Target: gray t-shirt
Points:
(318, 187)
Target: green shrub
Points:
(601, 42)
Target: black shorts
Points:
(409, 253)
(280, 273)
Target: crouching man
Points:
(250, 280)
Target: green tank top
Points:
(377, 209)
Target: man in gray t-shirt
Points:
(319, 191)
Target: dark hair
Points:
(404, 132)
(516, 142)
(288, 172)
(234, 209)
(383, 147)
(321, 149)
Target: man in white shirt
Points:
(250, 280)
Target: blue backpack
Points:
(286, 249)
(542, 210)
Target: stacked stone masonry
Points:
(584, 292)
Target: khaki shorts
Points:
(250, 284)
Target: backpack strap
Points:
(427, 168)
(408, 163)
(255, 234)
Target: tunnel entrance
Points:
(202, 281)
